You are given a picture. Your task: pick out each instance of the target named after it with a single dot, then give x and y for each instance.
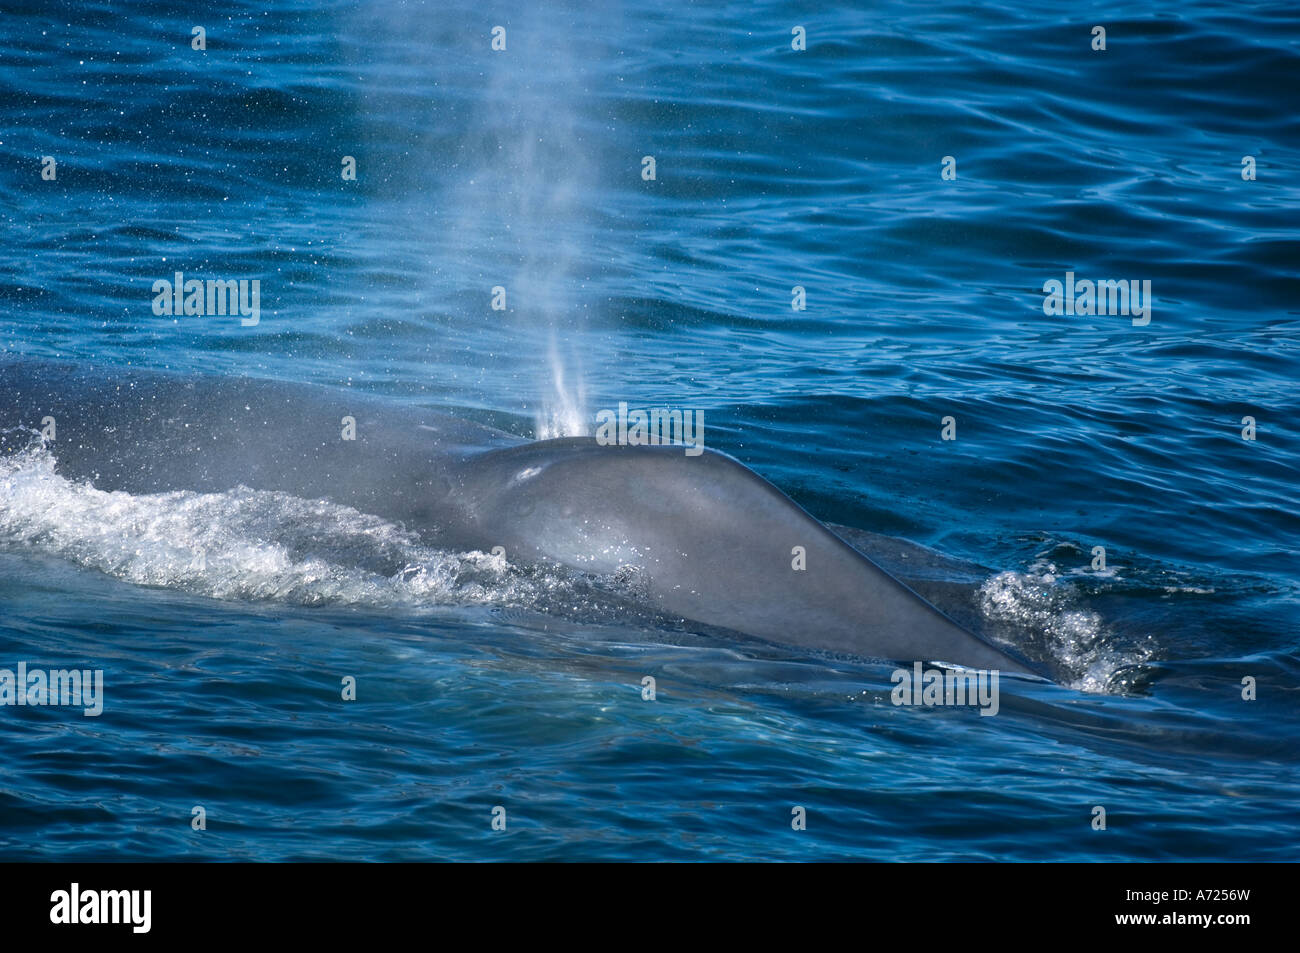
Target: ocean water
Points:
(481, 684)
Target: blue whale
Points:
(710, 541)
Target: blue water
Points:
(481, 685)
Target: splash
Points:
(253, 546)
(1040, 611)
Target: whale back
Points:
(145, 432)
(710, 541)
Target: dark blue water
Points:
(481, 684)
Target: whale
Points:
(707, 540)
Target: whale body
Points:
(709, 540)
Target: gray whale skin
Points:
(713, 540)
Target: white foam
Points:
(246, 544)
(1042, 606)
